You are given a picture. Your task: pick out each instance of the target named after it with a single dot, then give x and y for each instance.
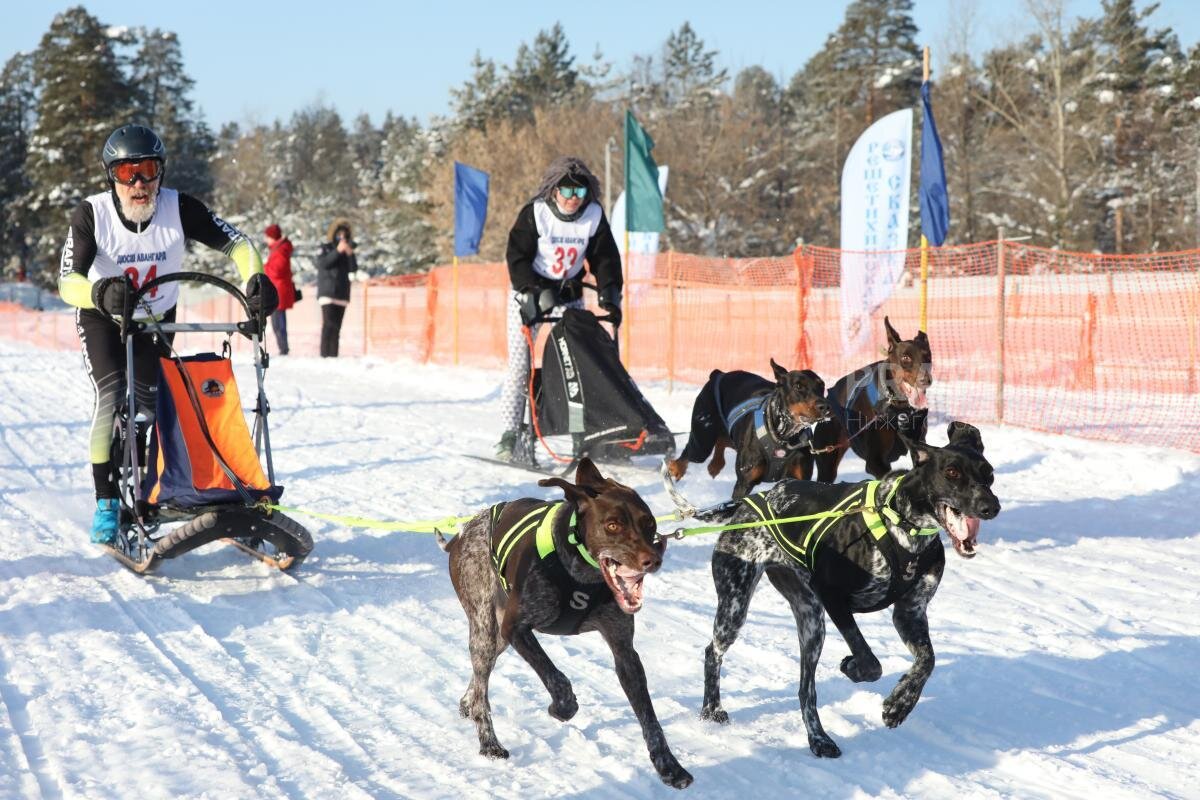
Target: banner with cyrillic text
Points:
(875, 187)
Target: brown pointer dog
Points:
(766, 423)
(564, 568)
(873, 407)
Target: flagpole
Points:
(455, 315)
(628, 289)
(924, 314)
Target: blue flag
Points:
(470, 208)
(935, 203)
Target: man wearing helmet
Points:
(118, 240)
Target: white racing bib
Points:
(561, 244)
(157, 250)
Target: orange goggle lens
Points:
(128, 172)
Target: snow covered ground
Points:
(1067, 650)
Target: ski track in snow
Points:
(1066, 651)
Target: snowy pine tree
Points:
(164, 104)
(16, 120)
(83, 96)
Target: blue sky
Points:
(262, 60)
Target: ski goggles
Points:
(147, 170)
(573, 191)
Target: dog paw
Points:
(717, 715)
(564, 708)
(896, 710)
(676, 777)
(861, 673)
(493, 751)
(823, 747)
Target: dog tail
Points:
(442, 541)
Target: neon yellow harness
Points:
(803, 548)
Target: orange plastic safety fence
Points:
(1101, 346)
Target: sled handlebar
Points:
(250, 326)
(548, 317)
(540, 318)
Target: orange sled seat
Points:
(187, 449)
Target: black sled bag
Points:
(586, 391)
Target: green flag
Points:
(643, 200)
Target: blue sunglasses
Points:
(573, 191)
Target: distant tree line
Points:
(1083, 135)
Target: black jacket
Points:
(333, 272)
(603, 257)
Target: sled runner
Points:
(192, 459)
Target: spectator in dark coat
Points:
(335, 262)
(279, 269)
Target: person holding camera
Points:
(556, 232)
(335, 262)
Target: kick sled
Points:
(582, 390)
(191, 459)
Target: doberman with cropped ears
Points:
(862, 547)
(563, 567)
(767, 424)
(875, 409)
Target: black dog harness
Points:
(802, 542)
(880, 398)
(778, 449)
(576, 600)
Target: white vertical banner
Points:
(875, 186)
(643, 245)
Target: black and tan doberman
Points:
(875, 408)
(767, 424)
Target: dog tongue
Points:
(972, 527)
(915, 396)
(631, 582)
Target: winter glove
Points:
(610, 302)
(570, 292)
(261, 296)
(527, 304)
(110, 294)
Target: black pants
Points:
(104, 359)
(331, 328)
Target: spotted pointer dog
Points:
(875, 545)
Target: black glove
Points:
(110, 294)
(610, 302)
(261, 296)
(570, 291)
(527, 304)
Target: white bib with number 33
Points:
(561, 244)
(157, 250)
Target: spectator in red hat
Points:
(279, 269)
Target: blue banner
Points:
(470, 208)
(935, 203)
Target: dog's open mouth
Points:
(915, 395)
(963, 530)
(623, 582)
